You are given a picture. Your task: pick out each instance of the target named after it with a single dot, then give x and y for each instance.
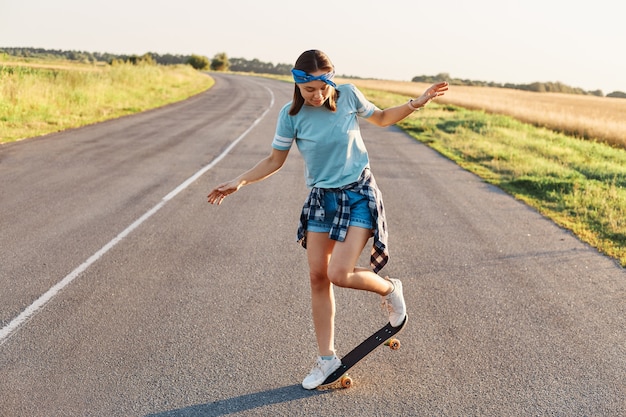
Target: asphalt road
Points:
(167, 306)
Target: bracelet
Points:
(411, 106)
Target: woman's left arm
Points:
(393, 115)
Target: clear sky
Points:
(578, 43)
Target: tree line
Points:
(221, 62)
(93, 57)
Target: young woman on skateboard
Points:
(344, 208)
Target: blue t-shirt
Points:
(330, 142)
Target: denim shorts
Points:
(360, 215)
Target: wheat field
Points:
(596, 118)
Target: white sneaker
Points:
(320, 372)
(394, 302)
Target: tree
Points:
(617, 94)
(145, 59)
(198, 62)
(220, 62)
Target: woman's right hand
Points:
(219, 193)
(263, 169)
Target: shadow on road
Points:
(243, 402)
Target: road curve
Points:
(203, 310)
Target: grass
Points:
(580, 184)
(40, 98)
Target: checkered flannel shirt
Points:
(313, 209)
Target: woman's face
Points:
(315, 92)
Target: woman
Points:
(344, 208)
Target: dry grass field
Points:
(596, 118)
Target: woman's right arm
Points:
(263, 169)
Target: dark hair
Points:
(309, 62)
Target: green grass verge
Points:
(579, 184)
(36, 100)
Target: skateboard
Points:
(340, 378)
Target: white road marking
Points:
(31, 310)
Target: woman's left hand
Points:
(431, 93)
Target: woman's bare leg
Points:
(343, 273)
(319, 249)
(332, 262)
(342, 270)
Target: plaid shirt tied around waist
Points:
(313, 209)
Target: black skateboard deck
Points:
(383, 336)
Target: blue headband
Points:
(301, 77)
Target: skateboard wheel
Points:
(394, 344)
(346, 382)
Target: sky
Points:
(580, 44)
